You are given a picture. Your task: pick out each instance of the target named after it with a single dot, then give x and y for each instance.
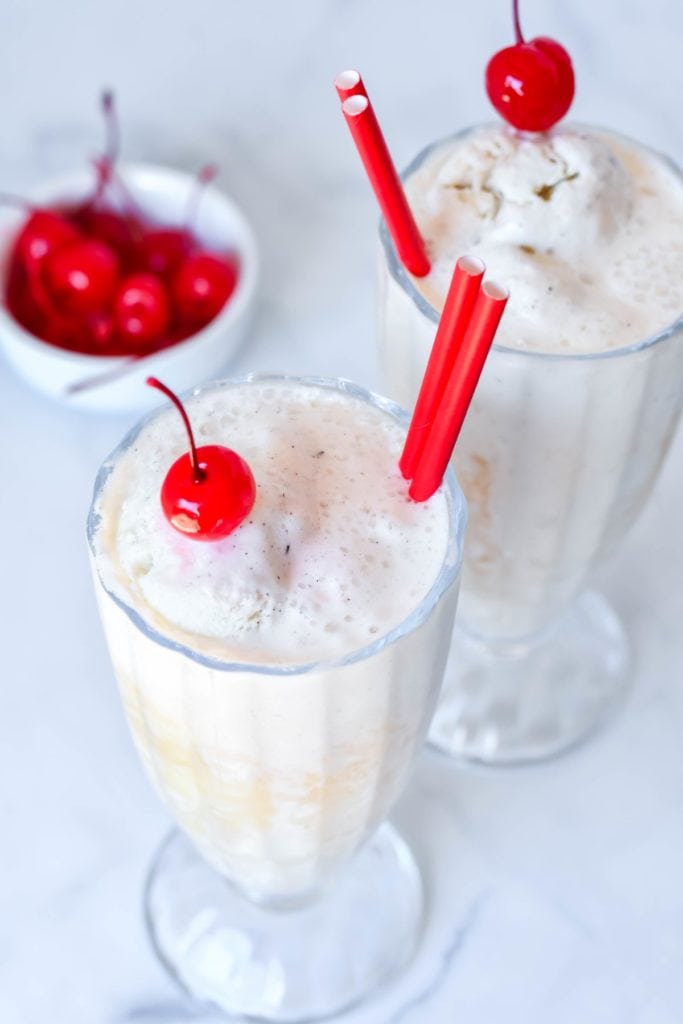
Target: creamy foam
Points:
(583, 227)
(332, 556)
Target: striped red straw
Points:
(380, 169)
(460, 349)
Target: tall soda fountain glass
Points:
(278, 741)
(560, 450)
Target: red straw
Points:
(457, 394)
(349, 83)
(457, 310)
(380, 169)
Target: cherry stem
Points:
(104, 165)
(111, 122)
(127, 198)
(515, 16)
(99, 379)
(206, 175)
(129, 363)
(197, 471)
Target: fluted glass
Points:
(278, 775)
(557, 457)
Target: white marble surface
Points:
(555, 893)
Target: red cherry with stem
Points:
(142, 312)
(120, 231)
(27, 296)
(209, 491)
(162, 250)
(81, 277)
(202, 286)
(43, 233)
(531, 84)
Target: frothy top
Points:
(332, 556)
(585, 229)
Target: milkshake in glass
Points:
(572, 418)
(278, 684)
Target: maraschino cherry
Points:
(162, 250)
(142, 312)
(202, 286)
(100, 277)
(81, 277)
(43, 233)
(209, 491)
(531, 84)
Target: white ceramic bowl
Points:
(162, 193)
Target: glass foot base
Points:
(294, 964)
(510, 704)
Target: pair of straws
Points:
(469, 319)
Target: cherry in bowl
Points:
(114, 379)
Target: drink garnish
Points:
(209, 490)
(531, 84)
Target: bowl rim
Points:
(80, 179)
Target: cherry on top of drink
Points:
(531, 84)
(209, 491)
(100, 277)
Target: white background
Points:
(555, 894)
